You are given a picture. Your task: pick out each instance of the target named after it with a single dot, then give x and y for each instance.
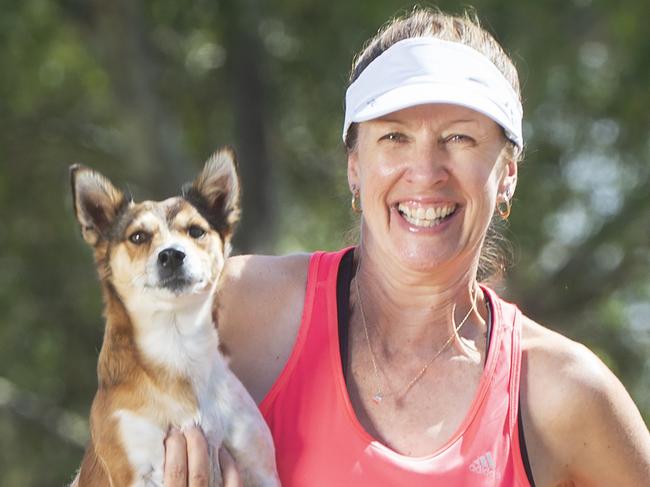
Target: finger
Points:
(175, 460)
(229, 472)
(198, 460)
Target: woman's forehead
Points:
(436, 113)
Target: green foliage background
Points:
(145, 91)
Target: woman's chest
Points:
(422, 419)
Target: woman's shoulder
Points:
(258, 270)
(575, 411)
(559, 365)
(560, 374)
(258, 311)
(559, 357)
(254, 288)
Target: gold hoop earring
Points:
(356, 201)
(504, 207)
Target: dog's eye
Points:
(196, 232)
(139, 237)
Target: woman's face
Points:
(429, 177)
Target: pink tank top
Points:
(320, 442)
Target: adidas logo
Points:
(484, 465)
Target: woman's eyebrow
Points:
(463, 120)
(387, 119)
(398, 121)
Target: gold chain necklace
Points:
(379, 395)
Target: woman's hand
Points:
(187, 461)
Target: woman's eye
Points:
(196, 232)
(458, 138)
(139, 237)
(394, 137)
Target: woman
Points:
(388, 364)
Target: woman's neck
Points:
(406, 307)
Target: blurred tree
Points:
(145, 91)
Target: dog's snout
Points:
(172, 272)
(171, 259)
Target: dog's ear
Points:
(96, 202)
(215, 192)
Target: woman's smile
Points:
(425, 216)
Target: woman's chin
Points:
(422, 252)
(421, 259)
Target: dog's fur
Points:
(159, 366)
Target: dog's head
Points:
(160, 251)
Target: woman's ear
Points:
(508, 178)
(353, 169)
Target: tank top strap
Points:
(511, 324)
(510, 331)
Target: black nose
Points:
(170, 259)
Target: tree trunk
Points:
(249, 92)
(150, 131)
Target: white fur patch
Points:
(177, 333)
(143, 442)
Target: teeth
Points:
(425, 217)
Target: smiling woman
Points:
(485, 80)
(430, 168)
(392, 363)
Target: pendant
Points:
(377, 397)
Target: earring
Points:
(504, 206)
(356, 200)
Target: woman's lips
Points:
(426, 216)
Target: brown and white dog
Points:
(159, 366)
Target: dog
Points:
(160, 365)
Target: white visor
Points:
(428, 70)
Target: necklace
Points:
(379, 394)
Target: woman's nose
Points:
(428, 164)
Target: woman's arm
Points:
(259, 309)
(580, 423)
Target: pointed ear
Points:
(215, 192)
(96, 203)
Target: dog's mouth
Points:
(176, 284)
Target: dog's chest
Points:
(190, 355)
(202, 391)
